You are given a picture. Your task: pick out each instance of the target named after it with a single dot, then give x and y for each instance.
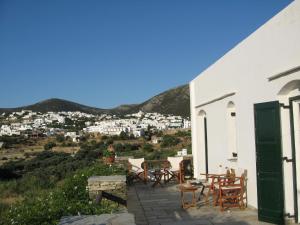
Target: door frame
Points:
(293, 144)
(206, 145)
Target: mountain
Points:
(55, 105)
(175, 101)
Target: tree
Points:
(68, 121)
(60, 138)
(123, 135)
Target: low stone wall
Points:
(97, 186)
(113, 184)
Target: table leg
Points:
(157, 180)
(201, 192)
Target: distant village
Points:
(75, 124)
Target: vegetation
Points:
(123, 136)
(70, 198)
(46, 188)
(49, 145)
(169, 141)
(148, 147)
(60, 138)
(46, 185)
(182, 133)
(10, 141)
(107, 153)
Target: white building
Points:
(245, 113)
(138, 132)
(73, 136)
(186, 124)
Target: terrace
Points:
(156, 202)
(162, 205)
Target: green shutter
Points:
(269, 162)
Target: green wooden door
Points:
(269, 162)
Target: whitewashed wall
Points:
(272, 49)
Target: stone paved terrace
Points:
(161, 205)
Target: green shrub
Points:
(107, 153)
(169, 141)
(124, 136)
(47, 207)
(49, 145)
(148, 147)
(60, 138)
(118, 147)
(181, 133)
(10, 141)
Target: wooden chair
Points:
(232, 192)
(136, 170)
(212, 182)
(243, 173)
(176, 170)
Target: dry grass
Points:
(11, 200)
(70, 150)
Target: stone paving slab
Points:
(104, 219)
(162, 206)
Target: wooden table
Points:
(184, 188)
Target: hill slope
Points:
(174, 101)
(55, 105)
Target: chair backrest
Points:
(241, 172)
(136, 163)
(175, 162)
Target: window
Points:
(203, 138)
(231, 122)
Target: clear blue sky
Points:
(104, 53)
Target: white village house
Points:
(245, 113)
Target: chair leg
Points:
(217, 197)
(221, 201)
(207, 196)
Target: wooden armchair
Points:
(212, 183)
(175, 171)
(232, 192)
(137, 169)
